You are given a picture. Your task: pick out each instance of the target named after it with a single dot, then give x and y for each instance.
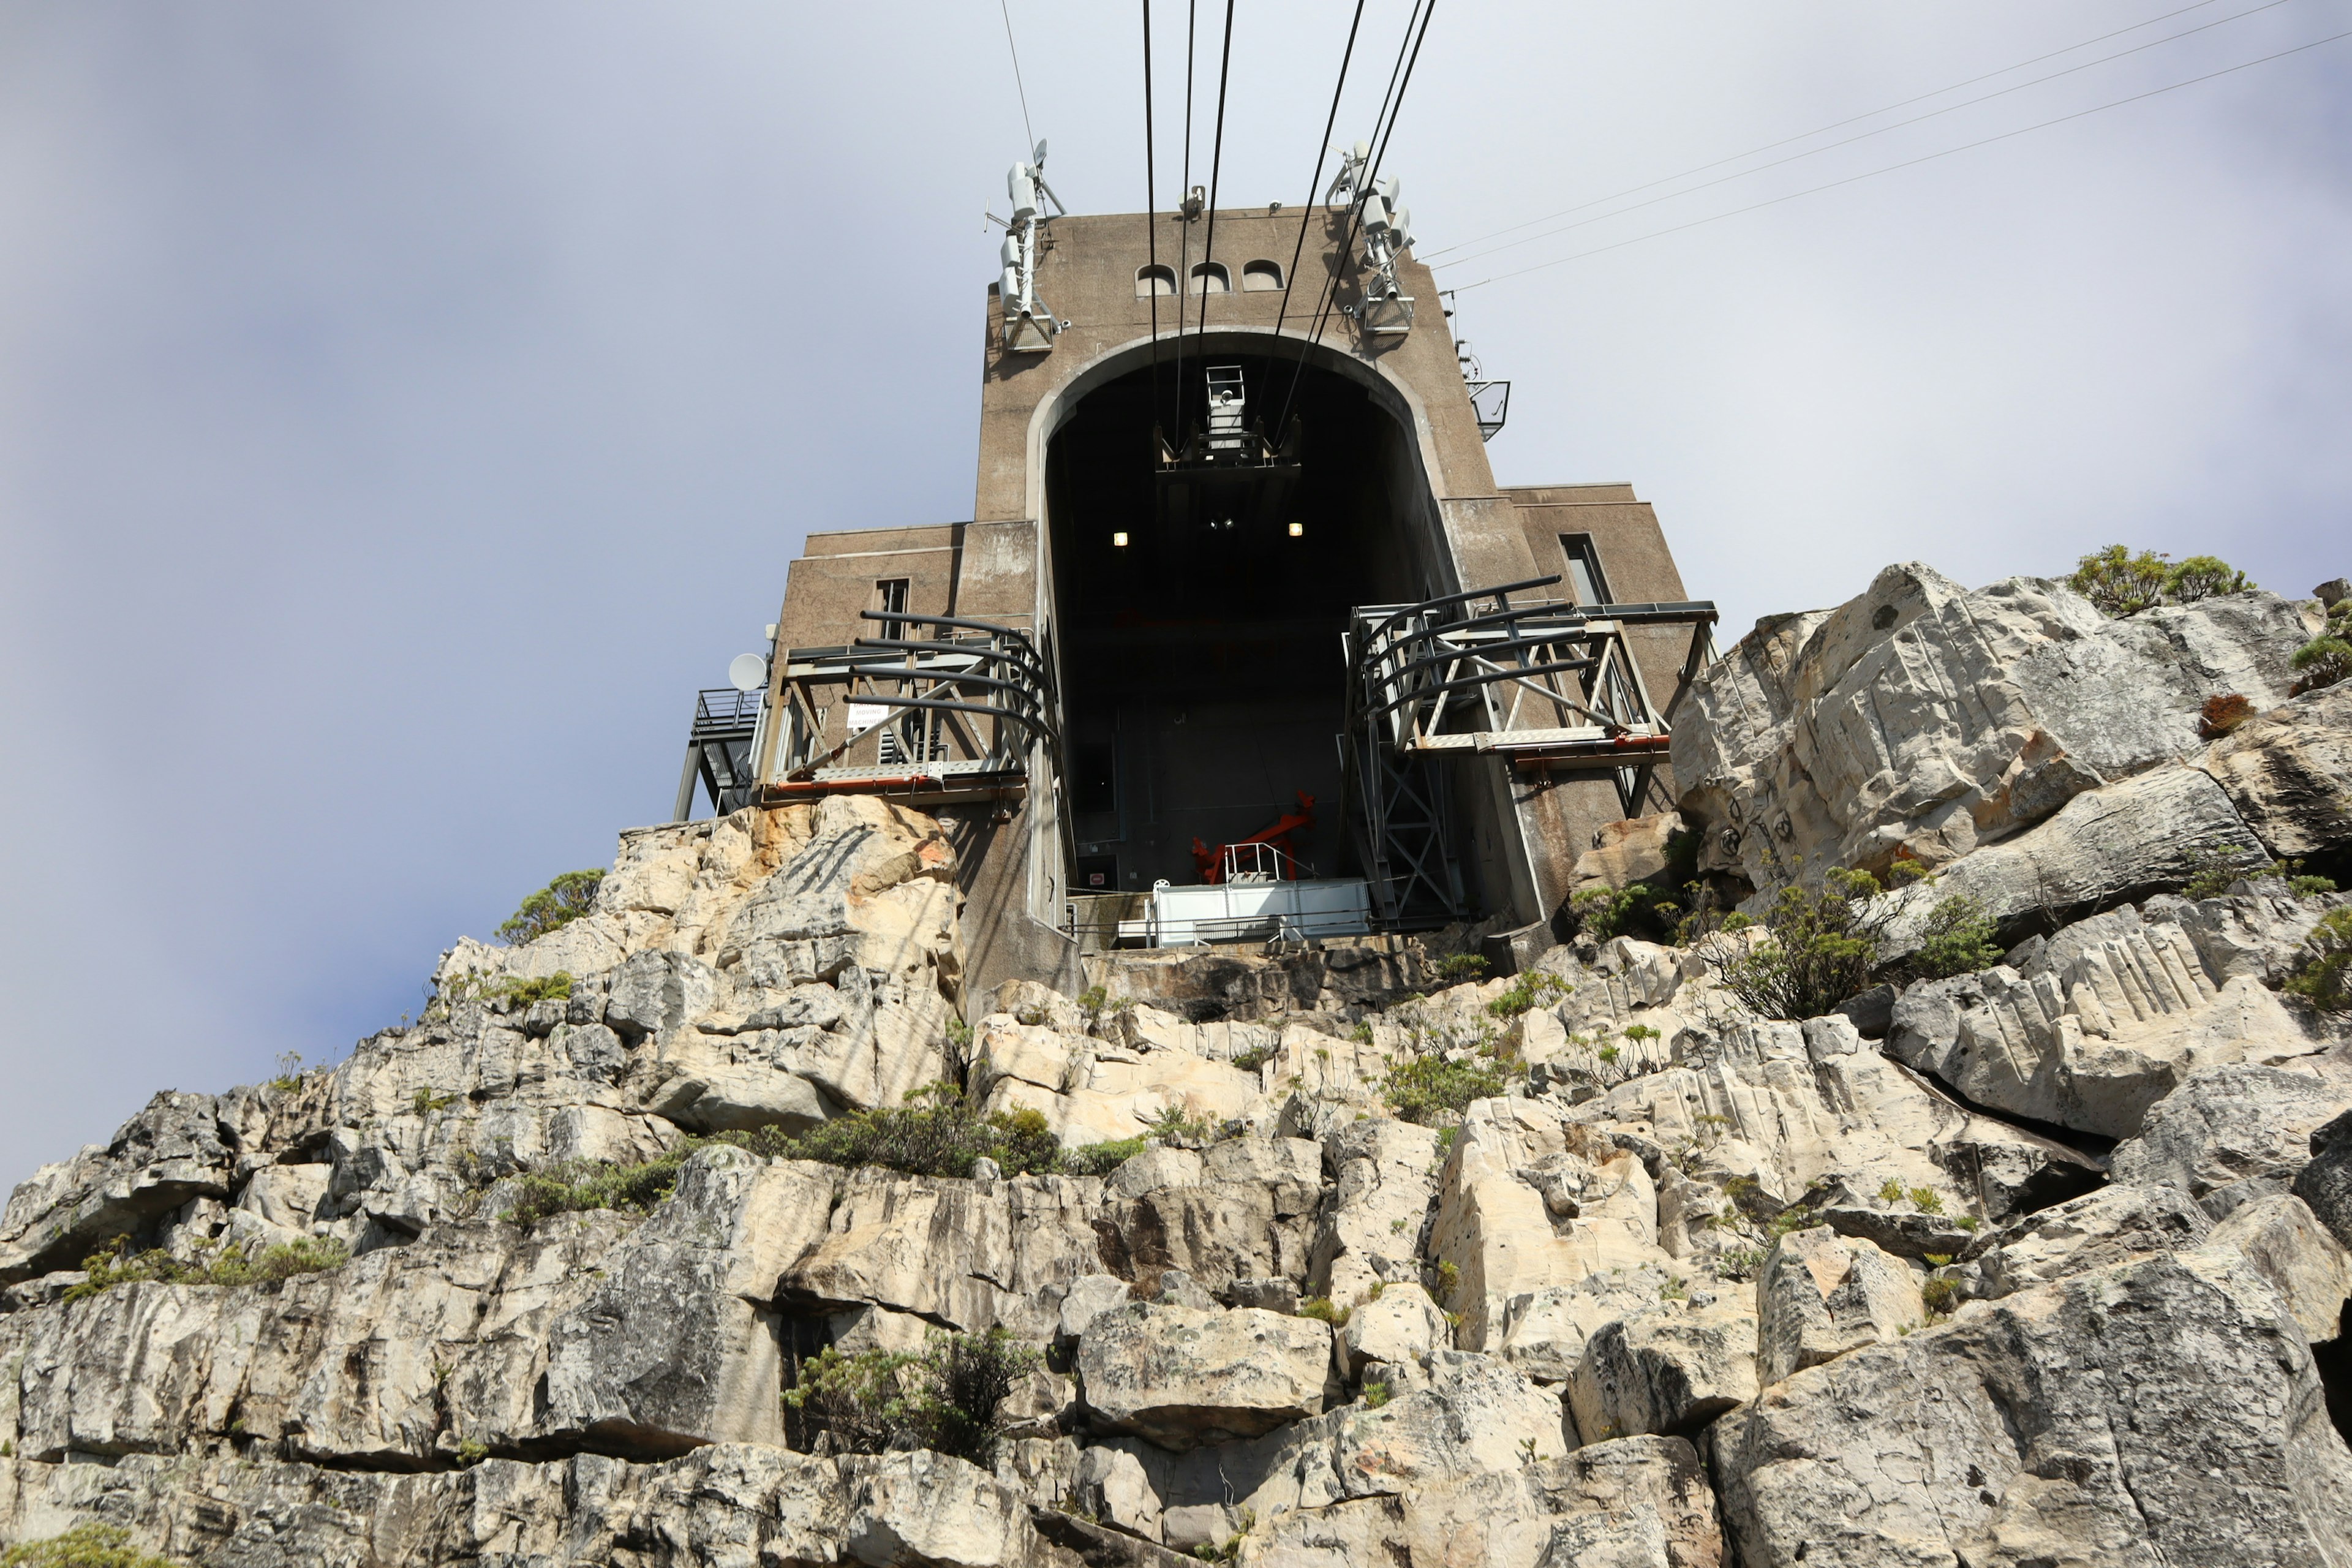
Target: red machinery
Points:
(1212, 862)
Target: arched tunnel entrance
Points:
(1199, 619)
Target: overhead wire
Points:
(1392, 105)
(1005, 7)
(1817, 131)
(1216, 165)
(1150, 215)
(1315, 182)
(1909, 162)
(1184, 225)
(1828, 147)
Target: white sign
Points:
(864, 716)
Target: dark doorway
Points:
(1202, 657)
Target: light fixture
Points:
(1297, 530)
(1118, 541)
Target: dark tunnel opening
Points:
(1203, 677)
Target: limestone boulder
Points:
(1545, 1331)
(1624, 853)
(1370, 1229)
(1400, 1327)
(1670, 1368)
(1640, 1502)
(1242, 1210)
(1095, 1090)
(2287, 1246)
(172, 1150)
(966, 1254)
(1181, 1377)
(1529, 1199)
(2160, 1410)
(2288, 771)
(1820, 1295)
(2097, 1230)
(2102, 1029)
(2230, 1135)
(2324, 1184)
(1925, 718)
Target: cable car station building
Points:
(1242, 640)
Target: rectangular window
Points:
(1583, 563)
(890, 596)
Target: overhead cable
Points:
(1004, 7)
(1832, 147)
(1150, 215)
(1216, 165)
(1908, 163)
(1392, 104)
(1315, 184)
(1833, 125)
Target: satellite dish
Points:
(1040, 158)
(748, 673)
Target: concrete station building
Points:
(1229, 553)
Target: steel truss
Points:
(1541, 683)
(959, 712)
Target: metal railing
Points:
(1473, 673)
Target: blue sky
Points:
(404, 409)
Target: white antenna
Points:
(1346, 187)
(1387, 228)
(1029, 326)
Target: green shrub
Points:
(2323, 976)
(1102, 1159)
(1176, 1124)
(1449, 1279)
(554, 907)
(1462, 966)
(576, 1186)
(1890, 1191)
(83, 1546)
(2322, 661)
(1428, 1087)
(230, 1264)
(1255, 1057)
(1535, 988)
(937, 1133)
(1938, 1295)
(1320, 1309)
(2203, 577)
(1818, 947)
(1375, 1394)
(1926, 1200)
(1957, 939)
(943, 1397)
(2122, 584)
(426, 1101)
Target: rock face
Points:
(2161, 1410)
(2023, 1267)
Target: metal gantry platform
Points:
(719, 750)
(1539, 683)
(956, 713)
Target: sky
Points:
(404, 409)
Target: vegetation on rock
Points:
(229, 1264)
(2324, 974)
(1957, 939)
(554, 907)
(83, 1546)
(2123, 583)
(942, 1397)
(1424, 1088)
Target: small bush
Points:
(1449, 1279)
(2222, 714)
(1926, 1200)
(554, 907)
(1102, 1159)
(1938, 1294)
(1320, 1309)
(2203, 577)
(937, 1133)
(1533, 989)
(83, 1546)
(1429, 1087)
(1890, 1191)
(1968, 1221)
(1739, 1263)
(2323, 976)
(224, 1265)
(2322, 661)
(1376, 1394)
(1957, 939)
(2122, 584)
(1255, 1057)
(1818, 949)
(1175, 1124)
(426, 1101)
(1462, 966)
(943, 1397)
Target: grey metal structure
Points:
(718, 745)
(959, 714)
(1471, 674)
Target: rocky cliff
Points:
(640, 1248)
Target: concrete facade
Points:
(1445, 524)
